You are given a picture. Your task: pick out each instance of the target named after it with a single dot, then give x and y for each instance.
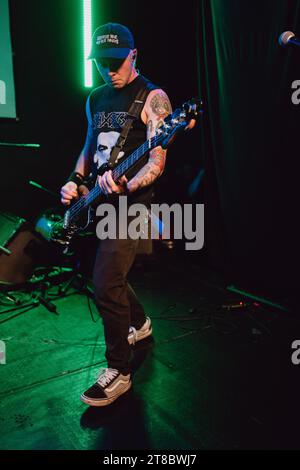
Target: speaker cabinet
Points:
(20, 250)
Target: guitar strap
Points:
(133, 114)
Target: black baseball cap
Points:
(111, 40)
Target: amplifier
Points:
(18, 249)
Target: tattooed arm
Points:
(157, 107)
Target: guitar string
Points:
(116, 173)
(96, 191)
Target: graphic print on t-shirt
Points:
(107, 138)
(115, 120)
(105, 142)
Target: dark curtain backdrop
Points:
(250, 140)
(249, 131)
(47, 39)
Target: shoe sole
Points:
(142, 336)
(104, 401)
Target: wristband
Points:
(76, 178)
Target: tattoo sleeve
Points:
(151, 171)
(160, 107)
(146, 176)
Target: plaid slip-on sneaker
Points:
(110, 385)
(142, 333)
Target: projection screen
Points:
(7, 86)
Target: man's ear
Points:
(134, 55)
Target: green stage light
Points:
(87, 35)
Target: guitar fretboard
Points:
(117, 172)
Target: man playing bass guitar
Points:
(124, 318)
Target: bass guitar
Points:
(79, 215)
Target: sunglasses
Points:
(110, 63)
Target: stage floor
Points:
(211, 378)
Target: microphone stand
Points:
(46, 190)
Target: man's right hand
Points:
(71, 191)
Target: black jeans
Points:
(116, 300)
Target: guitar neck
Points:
(172, 124)
(117, 172)
(130, 161)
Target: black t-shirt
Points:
(107, 110)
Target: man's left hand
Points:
(109, 186)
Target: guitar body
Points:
(65, 229)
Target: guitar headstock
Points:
(193, 108)
(183, 118)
